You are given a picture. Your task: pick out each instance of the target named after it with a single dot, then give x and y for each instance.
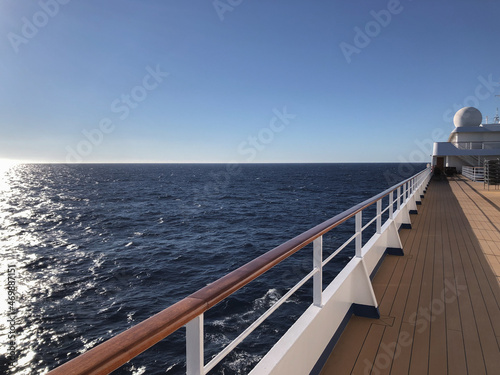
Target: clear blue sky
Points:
(255, 81)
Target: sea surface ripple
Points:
(98, 248)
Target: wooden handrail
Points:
(121, 348)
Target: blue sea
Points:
(95, 249)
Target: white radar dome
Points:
(468, 116)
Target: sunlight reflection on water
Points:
(17, 234)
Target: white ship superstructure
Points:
(470, 144)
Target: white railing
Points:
(492, 173)
(473, 173)
(477, 145)
(401, 200)
(404, 194)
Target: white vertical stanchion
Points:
(358, 226)
(379, 216)
(391, 205)
(318, 276)
(194, 346)
(398, 197)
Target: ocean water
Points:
(92, 250)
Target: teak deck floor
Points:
(482, 209)
(440, 302)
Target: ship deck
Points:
(440, 302)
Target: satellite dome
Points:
(468, 116)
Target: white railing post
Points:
(194, 346)
(391, 205)
(398, 197)
(318, 276)
(379, 216)
(358, 226)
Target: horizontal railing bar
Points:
(120, 349)
(331, 256)
(369, 223)
(383, 211)
(219, 357)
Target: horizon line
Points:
(17, 162)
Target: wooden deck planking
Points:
(369, 350)
(491, 294)
(474, 357)
(349, 352)
(409, 294)
(482, 209)
(440, 303)
(438, 349)
(456, 353)
(419, 360)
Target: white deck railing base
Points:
(298, 351)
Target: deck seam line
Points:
(360, 350)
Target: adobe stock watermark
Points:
(250, 148)
(122, 107)
(364, 36)
(11, 311)
(32, 25)
(484, 90)
(256, 143)
(421, 154)
(218, 182)
(420, 320)
(224, 6)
